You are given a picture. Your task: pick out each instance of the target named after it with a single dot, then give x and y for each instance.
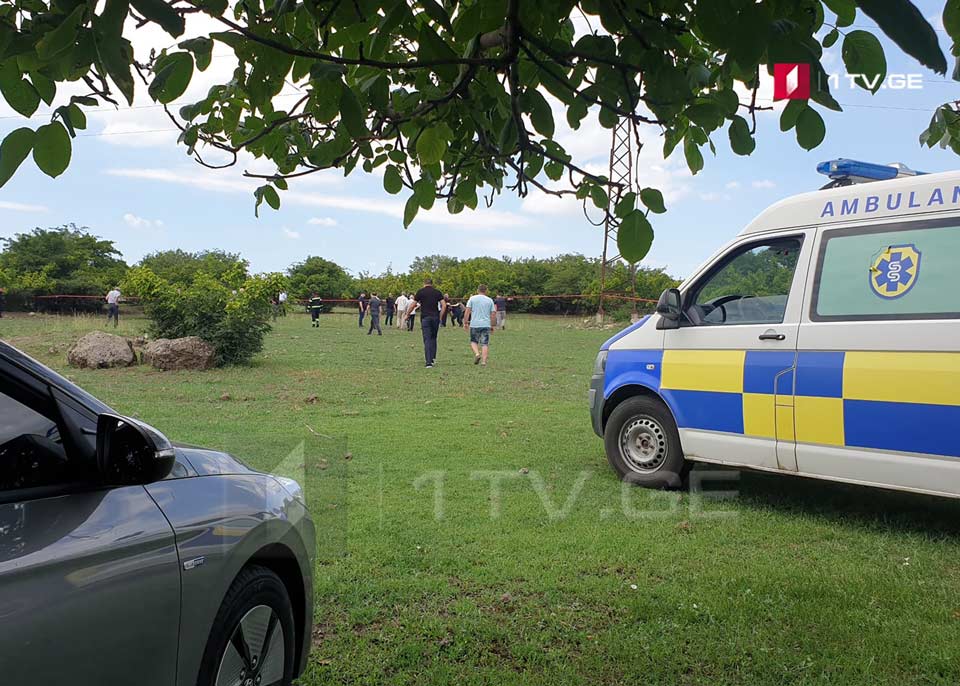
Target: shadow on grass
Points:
(869, 508)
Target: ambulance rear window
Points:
(895, 271)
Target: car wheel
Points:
(643, 445)
(253, 636)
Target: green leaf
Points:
(268, 193)
(202, 49)
(788, 118)
(576, 112)
(705, 114)
(951, 20)
(431, 145)
(830, 38)
(905, 25)
(741, 142)
(810, 129)
(694, 157)
(541, 116)
(173, 74)
(161, 13)
(599, 197)
(863, 54)
(634, 237)
(14, 150)
(392, 183)
(653, 200)
(62, 37)
(626, 204)
(17, 91)
(437, 13)
(46, 89)
(845, 10)
(51, 149)
(425, 191)
(410, 211)
(351, 115)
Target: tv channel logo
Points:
(791, 81)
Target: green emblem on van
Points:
(895, 271)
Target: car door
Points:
(878, 369)
(89, 577)
(727, 371)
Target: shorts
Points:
(480, 335)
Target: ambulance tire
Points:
(643, 445)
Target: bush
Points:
(233, 321)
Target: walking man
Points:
(412, 308)
(316, 306)
(391, 308)
(402, 303)
(432, 308)
(373, 309)
(362, 306)
(501, 304)
(478, 322)
(113, 307)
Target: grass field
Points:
(428, 576)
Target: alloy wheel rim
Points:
(255, 654)
(643, 444)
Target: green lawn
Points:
(565, 578)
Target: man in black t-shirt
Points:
(391, 306)
(432, 308)
(362, 306)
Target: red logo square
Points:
(791, 81)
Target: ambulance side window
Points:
(749, 286)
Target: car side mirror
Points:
(130, 452)
(668, 307)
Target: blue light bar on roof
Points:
(842, 168)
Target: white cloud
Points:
(509, 246)
(196, 177)
(764, 183)
(322, 221)
(732, 185)
(289, 233)
(136, 222)
(713, 196)
(22, 207)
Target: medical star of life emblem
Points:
(895, 271)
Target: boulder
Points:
(191, 352)
(101, 350)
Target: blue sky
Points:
(130, 183)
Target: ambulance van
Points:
(823, 341)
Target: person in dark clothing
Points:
(446, 310)
(3, 301)
(391, 308)
(432, 308)
(373, 309)
(316, 306)
(362, 306)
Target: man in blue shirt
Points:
(478, 322)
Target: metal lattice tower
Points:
(621, 172)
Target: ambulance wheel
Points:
(643, 444)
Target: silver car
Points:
(127, 560)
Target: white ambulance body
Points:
(823, 341)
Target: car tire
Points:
(643, 445)
(244, 639)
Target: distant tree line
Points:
(69, 259)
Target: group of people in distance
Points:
(479, 316)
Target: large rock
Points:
(191, 352)
(100, 350)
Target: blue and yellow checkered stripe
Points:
(900, 401)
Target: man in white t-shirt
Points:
(113, 306)
(402, 304)
(478, 321)
(282, 299)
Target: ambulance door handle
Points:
(771, 335)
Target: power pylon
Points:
(622, 181)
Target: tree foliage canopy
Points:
(181, 267)
(66, 259)
(453, 99)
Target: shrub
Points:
(233, 321)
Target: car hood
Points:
(207, 462)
